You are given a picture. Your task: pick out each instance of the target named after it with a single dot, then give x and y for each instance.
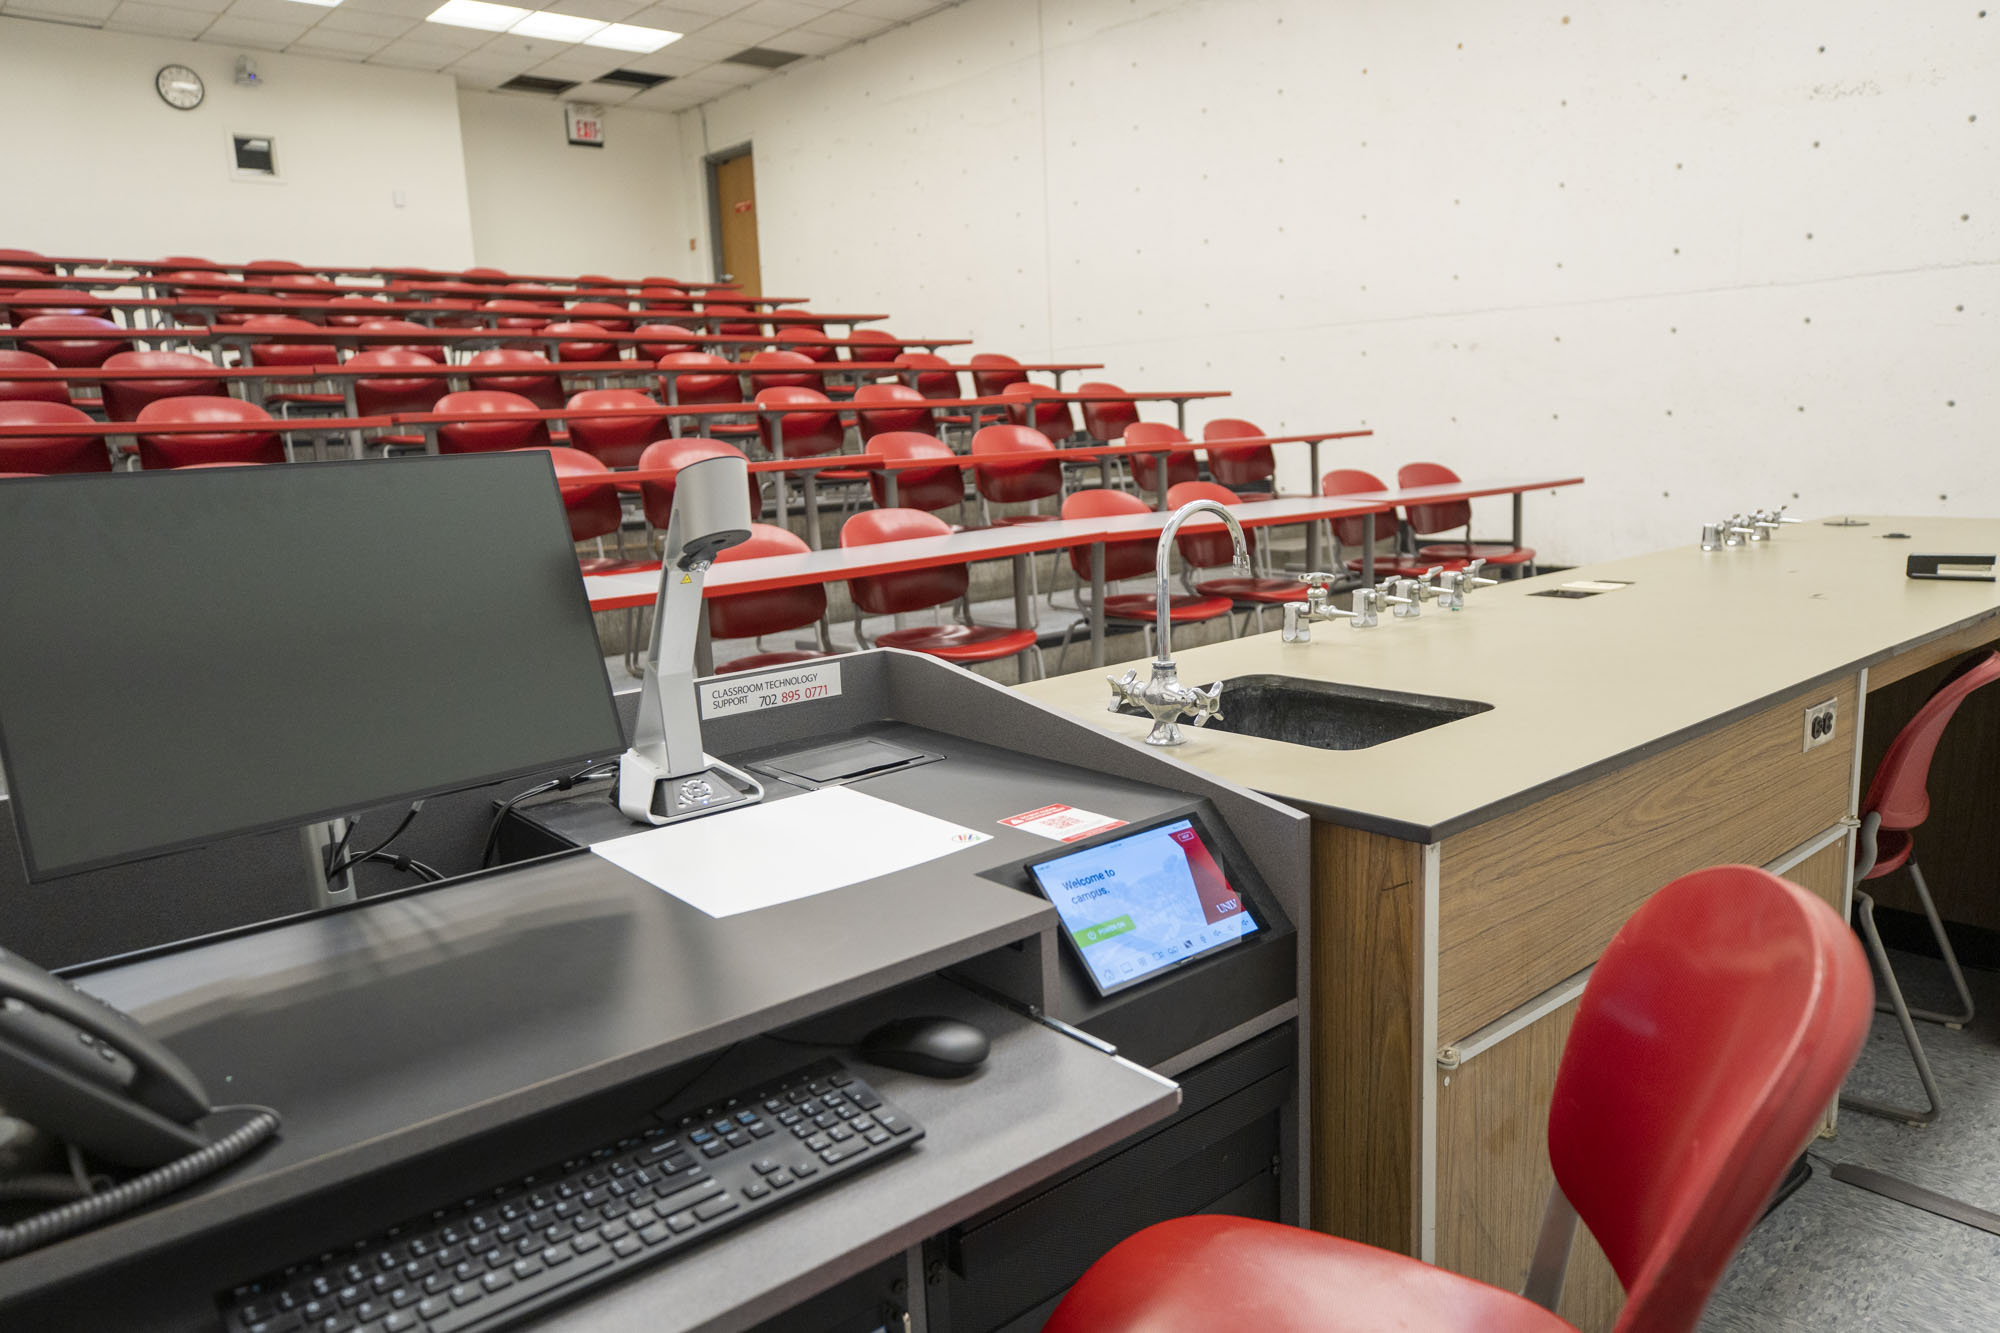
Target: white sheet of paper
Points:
(763, 855)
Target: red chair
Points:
(1051, 417)
(1132, 558)
(1146, 467)
(56, 451)
(125, 399)
(33, 301)
(435, 351)
(1428, 519)
(615, 441)
(1897, 804)
(382, 395)
(923, 488)
(671, 456)
(29, 259)
(594, 512)
(809, 427)
(773, 370)
(190, 262)
(1211, 550)
(1107, 419)
(876, 347)
(197, 283)
(273, 266)
(718, 387)
(917, 589)
(529, 374)
(309, 285)
(1241, 468)
(354, 311)
(243, 433)
(292, 393)
(811, 343)
(1707, 1042)
(517, 314)
(992, 372)
(884, 408)
(246, 306)
(584, 349)
(672, 338)
(931, 373)
(608, 315)
(30, 391)
(484, 275)
(1016, 481)
(74, 342)
(738, 321)
(1356, 532)
(491, 422)
(751, 615)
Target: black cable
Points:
(348, 863)
(681, 1091)
(598, 770)
(334, 853)
(119, 1199)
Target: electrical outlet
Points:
(1821, 723)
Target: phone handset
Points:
(83, 1072)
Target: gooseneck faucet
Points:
(1164, 698)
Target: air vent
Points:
(633, 78)
(528, 83)
(763, 57)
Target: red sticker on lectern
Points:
(1064, 823)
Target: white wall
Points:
(1712, 255)
(540, 205)
(93, 162)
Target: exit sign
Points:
(585, 123)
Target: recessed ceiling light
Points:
(632, 37)
(476, 14)
(556, 27)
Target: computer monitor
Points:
(190, 655)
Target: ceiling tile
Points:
(482, 80)
(847, 23)
(410, 53)
(807, 42)
(610, 11)
(582, 67)
(157, 20)
(737, 33)
(410, 9)
(670, 97)
(713, 8)
(900, 10)
(348, 45)
(781, 13)
(672, 17)
(670, 60)
(96, 11)
(704, 48)
(733, 75)
(232, 31)
(459, 39)
(348, 19)
(276, 11)
(605, 94)
(527, 51)
(494, 60)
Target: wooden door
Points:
(736, 212)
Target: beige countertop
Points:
(1577, 686)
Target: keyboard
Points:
(493, 1259)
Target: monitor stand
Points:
(316, 841)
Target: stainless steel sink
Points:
(1327, 715)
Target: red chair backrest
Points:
(1354, 531)
(32, 259)
(1016, 481)
(1707, 1044)
(593, 510)
(617, 441)
(1122, 559)
(746, 615)
(807, 342)
(310, 283)
(882, 408)
(909, 590)
(54, 452)
(434, 351)
(722, 386)
(354, 310)
(932, 382)
(672, 456)
(235, 439)
(124, 399)
(768, 370)
(917, 487)
(32, 301)
(29, 391)
(583, 349)
(1145, 467)
(1899, 791)
(274, 266)
(484, 275)
(287, 353)
(71, 341)
(490, 425)
(806, 433)
(245, 306)
(1050, 416)
(1427, 519)
(515, 313)
(1207, 550)
(605, 314)
(739, 321)
(533, 375)
(883, 351)
(992, 372)
(195, 282)
(1107, 420)
(379, 395)
(672, 338)
(189, 262)
(1238, 467)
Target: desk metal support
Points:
(1096, 605)
(1517, 520)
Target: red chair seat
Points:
(1493, 553)
(1201, 1274)
(1253, 590)
(1892, 851)
(961, 643)
(1181, 610)
(611, 564)
(1402, 566)
(758, 661)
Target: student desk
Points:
(113, 433)
(72, 264)
(1468, 876)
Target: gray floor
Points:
(1834, 1257)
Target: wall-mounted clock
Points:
(179, 87)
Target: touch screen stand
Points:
(666, 776)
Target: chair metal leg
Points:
(1960, 1019)
(1865, 910)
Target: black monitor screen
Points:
(188, 655)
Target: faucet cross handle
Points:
(1319, 585)
(1125, 690)
(1404, 595)
(1204, 704)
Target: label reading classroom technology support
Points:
(773, 689)
(1144, 903)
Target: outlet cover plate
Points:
(1821, 723)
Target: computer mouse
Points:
(934, 1047)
